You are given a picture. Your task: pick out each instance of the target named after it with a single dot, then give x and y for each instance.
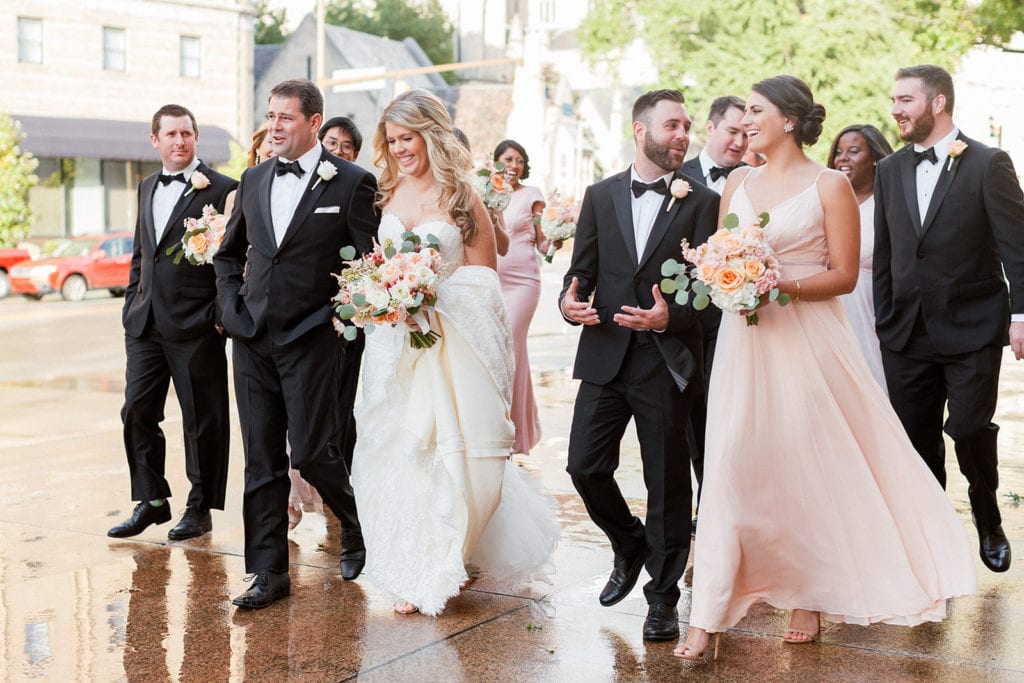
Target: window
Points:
(190, 57)
(30, 40)
(113, 49)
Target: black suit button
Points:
(156, 259)
(276, 260)
(636, 279)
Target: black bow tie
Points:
(658, 186)
(168, 179)
(928, 154)
(290, 167)
(717, 172)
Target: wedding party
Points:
(426, 394)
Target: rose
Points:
(326, 170)
(198, 243)
(498, 183)
(753, 268)
(679, 189)
(956, 148)
(728, 279)
(199, 181)
(706, 272)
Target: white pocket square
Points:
(327, 209)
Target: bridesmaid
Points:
(519, 271)
(856, 152)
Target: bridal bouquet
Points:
(735, 269)
(202, 237)
(558, 221)
(492, 183)
(390, 284)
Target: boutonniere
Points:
(326, 170)
(956, 148)
(678, 189)
(197, 181)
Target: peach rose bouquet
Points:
(735, 269)
(392, 283)
(492, 183)
(558, 221)
(202, 238)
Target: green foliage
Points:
(237, 163)
(998, 20)
(847, 53)
(269, 29)
(16, 177)
(423, 20)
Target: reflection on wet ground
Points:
(75, 605)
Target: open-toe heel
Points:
(406, 607)
(812, 635)
(692, 654)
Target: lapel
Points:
(308, 200)
(263, 196)
(908, 173)
(624, 214)
(661, 223)
(178, 213)
(941, 188)
(693, 170)
(146, 189)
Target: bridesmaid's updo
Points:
(794, 99)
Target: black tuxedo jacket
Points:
(605, 261)
(181, 298)
(951, 266)
(286, 290)
(692, 170)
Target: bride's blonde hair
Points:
(450, 163)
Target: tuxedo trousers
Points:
(198, 367)
(289, 393)
(644, 391)
(923, 384)
(699, 416)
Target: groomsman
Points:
(723, 151)
(170, 318)
(949, 223)
(275, 283)
(639, 355)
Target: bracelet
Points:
(797, 297)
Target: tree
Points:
(847, 53)
(270, 24)
(423, 20)
(16, 177)
(998, 20)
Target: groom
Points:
(275, 283)
(949, 218)
(639, 355)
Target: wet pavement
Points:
(76, 605)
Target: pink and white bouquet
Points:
(558, 221)
(390, 284)
(491, 182)
(735, 270)
(202, 237)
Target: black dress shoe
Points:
(994, 548)
(625, 571)
(267, 586)
(662, 622)
(353, 554)
(194, 522)
(143, 515)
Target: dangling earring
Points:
(788, 127)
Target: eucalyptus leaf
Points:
(784, 299)
(701, 288)
(346, 311)
(350, 333)
(389, 252)
(670, 267)
(731, 221)
(682, 296)
(408, 246)
(701, 301)
(764, 218)
(358, 299)
(348, 252)
(668, 286)
(773, 294)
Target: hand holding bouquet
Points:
(492, 183)
(202, 237)
(736, 270)
(390, 285)
(558, 221)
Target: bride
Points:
(437, 494)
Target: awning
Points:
(102, 139)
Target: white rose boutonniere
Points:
(956, 148)
(326, 170)
(679, 189)
(198, 181)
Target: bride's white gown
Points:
(434, 486)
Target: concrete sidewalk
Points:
(76, 605)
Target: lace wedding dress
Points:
(434, 486)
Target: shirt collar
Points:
(706, 162)
(942, 146)
(308, 160)
(667, 177)
(187, 171)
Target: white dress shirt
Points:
(165, 197)
(928, 173)
(286, 190)
(645, 210)
(706, 164)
